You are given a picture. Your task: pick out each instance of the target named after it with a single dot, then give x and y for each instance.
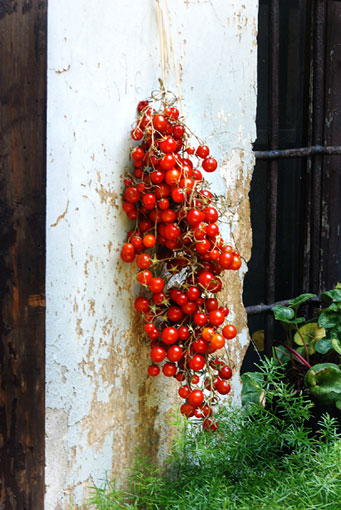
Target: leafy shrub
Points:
(256, 460)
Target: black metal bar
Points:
(262, 308)
(272, 177)
(318, 121)
(301, 152)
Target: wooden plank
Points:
(331, 181)
(23, 26)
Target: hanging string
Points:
(164, 53)
(164, 56)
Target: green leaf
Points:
(324, 383)
(323, 346)
(301, 351)
(338, 404)
(301, 299)
(328, 319)
(334, 295)
(335, 332)
(286, 314)
(258, 339)
(281, 355)
(337, 345)
(310, 333)
(283, 313)
(252, 391)
(297, 321)
(335, 307)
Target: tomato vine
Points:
(180, 256)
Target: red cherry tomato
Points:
(153, 370)
(211, 214)
(225, 372)
(142, 105)
(200, 345)
(144, 277)
(184, 391)
(141, 304)
(195, 398)
(167, 162)
(136, 134)
(160, 123)
(143, 261)
(211, 304)
(216, 317)
(169, 369)
(200, 319)
(169, 335)
(174, 353)
(132, 194)
(172, 112)
(184, 333)
(194, 217)
(209, 164)
(158, 298)
(229, 331)
(172, 231)
(137, 153)
(222, 387)
(202, 151)
(205, 279)
(128, 252)
(225, 260)
(157, 354)
(156, 285)
(210, 425)
(149, 240)
(217, 341)
(178, 131)
(187, 410)
(178, 195)
(149, 200)
(168, 145)
(197, 362)
(193, 293)
(236, 263)
(175, 313)
(189, 308)
(156, 177)
(208, 333)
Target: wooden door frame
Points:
(23, 55)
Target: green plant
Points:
(311, 347)
(324, 383)
(242, 466)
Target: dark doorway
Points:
(295, 190)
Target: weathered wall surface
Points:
(103, 58)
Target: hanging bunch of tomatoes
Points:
(180, 256)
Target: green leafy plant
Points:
(324, 383)
(312, 348)
(242, 465)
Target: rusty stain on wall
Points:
(101, 404)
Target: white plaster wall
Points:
(103, 57)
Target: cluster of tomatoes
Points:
(180, 255)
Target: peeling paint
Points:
(61, 216)
(101, 405)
